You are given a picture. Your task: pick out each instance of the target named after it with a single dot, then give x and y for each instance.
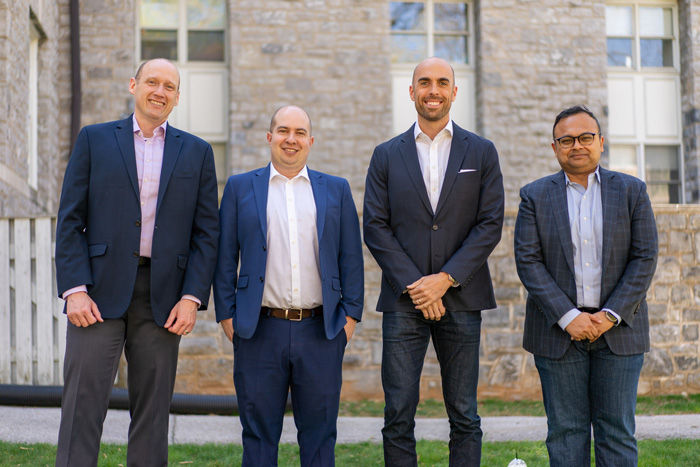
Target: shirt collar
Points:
(597, 176)
(417, 131)
(137, 128)
(303, 173)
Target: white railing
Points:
(32, 323)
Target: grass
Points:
(431, 453)
(430, 408)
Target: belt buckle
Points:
(287, 310)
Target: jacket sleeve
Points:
(351, 260)
(226, 274)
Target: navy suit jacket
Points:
(409, 241)
(544, 256)
(243, 219)
(98, 229)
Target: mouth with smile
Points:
(156, 103)
(432, 103)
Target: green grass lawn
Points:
(669, 453)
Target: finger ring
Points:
(186, 332)
(419, 301)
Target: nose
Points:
(577, 143)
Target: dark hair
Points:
(140, 69)
(576, 109)
(274, 116)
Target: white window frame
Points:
(465, 104)
(640, 139)
(33, 108)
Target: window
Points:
(640, 36)
(431, 28)
(183, 30)
(644, 116)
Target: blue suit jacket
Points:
(243, 220)
(409, 241)
(544, 256)
(98, 228)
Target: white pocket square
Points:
(463, 171)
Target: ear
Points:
(269, 137)
(410, 92)
(132, 85)
(554, 148)
(454, 93)
(311, 141)
(177, 98)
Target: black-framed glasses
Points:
(586, 139)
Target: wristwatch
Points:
(451, 279)
(611, 318)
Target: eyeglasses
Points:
(586, 139)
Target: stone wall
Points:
(506, 370)
(17, 197)
(689, 16)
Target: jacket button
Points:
(264, 248)
(261, 279)
(137, 223)
(136, 254)
(435, 227)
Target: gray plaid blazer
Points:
(545, 261)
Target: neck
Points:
(432, 128)
(147, 128)
(581, 179)
(289, 173)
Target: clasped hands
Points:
(427, 292)
(589, 326)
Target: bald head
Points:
(273, 120)
(428, 62)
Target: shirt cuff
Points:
(619, 320)
(570, 315)
(80, 288)
(192, 298)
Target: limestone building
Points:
(635, 63)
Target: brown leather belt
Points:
(292, 314)
(144, 261)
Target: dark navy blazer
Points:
(243, 220)
(544, 256)
(409, 241)
(98, 229)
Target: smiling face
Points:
(433, 91)
(290, 140)
(156, 92)
(578, 161)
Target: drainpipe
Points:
(76, 89)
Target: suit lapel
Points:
(560, 211)
(261, 182)
(171, 152)
(609, 200)
(458, 151)
(318, 186)
(409, 155)
(125, 138)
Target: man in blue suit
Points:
(293, 305)
(585, 250)
(136, 241)
(433, 214)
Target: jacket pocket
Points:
(97, 249)
(182, 261)
(242, 282)
(335, 283)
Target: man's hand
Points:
(584, 326)
(434, 311)
(182, 317)
(81, 310)
(428, 290)
(349, 327)
(604, 326)
(227, 326)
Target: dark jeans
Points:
(456, 342)
(590, 386)
(284, 356)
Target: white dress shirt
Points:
(293, 277)
(433, 156)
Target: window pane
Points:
(407, 16)
(408, 48)
(662, 163)
(620, 52)
(205, 46)
(656, 52)
(206, 14)
(618, 21)
(655, 21)
(624, 159)
(159, 13)
(451, 17)
(664, 193)
(452, 48)
(158, 44)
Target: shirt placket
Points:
(434, 178)
(587, 244)
(293, 229)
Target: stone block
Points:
(690, 332)
(503, 342)
(498, 318)
(691, 274)
(507, 273)
(657, 314)
(687, 363)
(668, 269)
(661, 292)
(664, 334)
(680, 242)
(691, 314)
(507, 370)
(192, 345)
(670, 221)
(507, 293)
(680, 294)
(657, 362)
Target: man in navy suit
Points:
(292, 307)
(585, 250)
(433, 214)
(136, 241)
